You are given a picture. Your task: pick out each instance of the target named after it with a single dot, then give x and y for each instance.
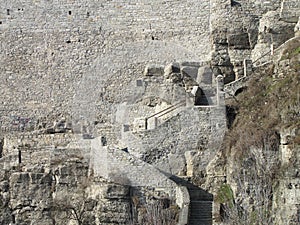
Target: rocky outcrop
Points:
(260, 164)
(249, 32)
(52, 191)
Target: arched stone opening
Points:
(200, 97)
(239, 91)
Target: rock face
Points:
(251, 33)
(53, 193)
(261, 162)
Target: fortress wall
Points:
(32, 141)
(48, 46)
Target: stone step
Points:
(196, 194)
(200, 222)
(200, 213)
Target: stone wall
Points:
(50, 181)
(192, 129)
(52, 51)
(48, 46)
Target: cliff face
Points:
(261, 149)
(44, 185)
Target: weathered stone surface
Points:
(152, 101)
(228, 73)
(290, 10)
(175, 77)
(221, 58)
(239, 41)
(190, 71)
(191, 64)
(172, 68)
(154, 70)
(58, 50)
(205, 75)
(297, 28)
(116, 191)
(219, 37)
(271, 36)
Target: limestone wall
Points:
(48, 46)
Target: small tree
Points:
(156, 212)
(77, 209)
(74, 205)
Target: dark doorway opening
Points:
(200, 98)
(240, 90)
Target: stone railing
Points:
(183, 201)
(162, 113)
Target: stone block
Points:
(221, 58)
(175, 77)
(190, 71)
(20, 178)
(192, 64)
(239, 41)
(290, 11)
(154, 70)
(172, 68)
(219, 37)
(113, 191)
(205, 75)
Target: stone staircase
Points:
(119, 166)
(200, 208)
(164, 115)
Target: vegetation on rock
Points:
(269, 105)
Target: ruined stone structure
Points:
(130, 93)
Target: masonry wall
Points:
(48, 46)
(192, 129)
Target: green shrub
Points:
(225, 194)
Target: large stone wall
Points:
(48, 46)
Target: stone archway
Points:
(240, 90)
(200, 98)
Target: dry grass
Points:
(268, 104)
